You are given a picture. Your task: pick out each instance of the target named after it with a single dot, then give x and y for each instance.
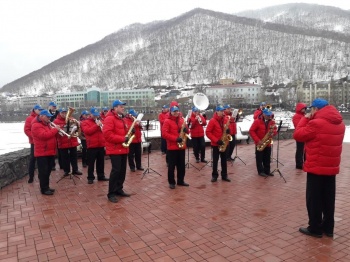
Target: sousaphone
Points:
(201, 101)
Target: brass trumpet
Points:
(61, 132)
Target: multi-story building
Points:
(29, 101)
(233, 94)
(335, 93)
(94, 96)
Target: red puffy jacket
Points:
(114, 130)
(44, 138)
(28, 126)
(233, 127)
(64, 141)
(93, 133)
(170, 131)
(103, 115)
(257, 113)
(161, 117)
(215, 129)
(259, 129)
(298, 114)
(196, 129)
(323, 135)
(137, 127)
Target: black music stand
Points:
(210, 162)
(239, 119)
(236, 156)
(70, 176)
(147, 170)
(280, 129)
(272, 158)
(188, 157)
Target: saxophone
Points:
(225, 137)
(267, 139)
(183, 135)
(130, 135)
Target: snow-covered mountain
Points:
(198, 47)
(305, 16)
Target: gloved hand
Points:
(126, 139)
(220, 142)
(179, 140)
(227, 131)
(133, 131)
(185, 130)
(204, 115)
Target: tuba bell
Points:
(73, 125)
(200, 101)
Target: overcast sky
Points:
(34, 33)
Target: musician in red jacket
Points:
(135, 148)
(103, 113)
(322, 131)
(176, 146)
(44, 138)
(115, 130)
(161, 117)
(196, 122)
(214, 132)
(67, 146)
(95, 143)
(84, 116)
(260, 128)
(27, 130)
(258, 113)
(299, 153)
(233, 131)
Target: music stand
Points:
(147, 170)
(188, 158)
(280, 129)
(70, 176)
(210, 162)
(236, 156)
(272, 158)
(239, 119)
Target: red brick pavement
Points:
(249, 219)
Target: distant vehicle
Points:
(343, 110)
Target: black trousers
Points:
(320, 202)
(96, 155)
(216, 155)
(176, 158)
(44, 169)
(84, 159)
(69, 157)
(198, 144)
(230, 147)
(163, 145)
(134, 155)
(299, 154)
(117, 176)
(31, 166)
(263, 159)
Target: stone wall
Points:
(13, 166)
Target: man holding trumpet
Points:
(196, 122)
(95, 142)
(115, 131)
(44, 148)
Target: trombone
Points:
(60, 131)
